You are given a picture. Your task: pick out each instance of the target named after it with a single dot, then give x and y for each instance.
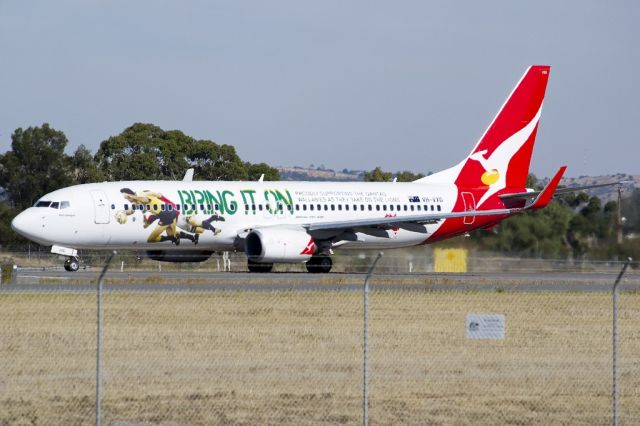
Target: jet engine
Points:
(179, 256)
(279, 244)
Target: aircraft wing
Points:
(401, 222)
(416, 222)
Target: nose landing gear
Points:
(72, 264)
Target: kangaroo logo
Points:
(496, 165)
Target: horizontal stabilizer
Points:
(560, 191)
(546, 194)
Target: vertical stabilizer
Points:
(501, 157)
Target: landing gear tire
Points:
(319, 264)
(71, 264)
(259, 267)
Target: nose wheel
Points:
(72, 264)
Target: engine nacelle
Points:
(179, 256)
(279, 244)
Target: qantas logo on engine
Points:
(310, 248)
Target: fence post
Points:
(99, 338)
(365, 358)
(614, 353)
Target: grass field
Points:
(296, 358)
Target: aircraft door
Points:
(469, 205)
(100, 206)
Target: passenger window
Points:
(126, 206)
(384, 207)
(412, 207)
(391, 207)
(169, 207)
(304, 207)
(310, 206)
(253, 207)
(162, 207)
(260, 207)
(361, 207)
(405, 207)
(333, 207)
(431, 207)
(418, 207)
(378, 207)
(346, 207)
(370, 207)
(399, 207)
(438, 207)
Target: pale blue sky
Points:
(404, 85)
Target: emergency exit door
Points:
(100, 206)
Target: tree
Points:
(407, 176)
(84, 168)
(538, 233)
(254, 171)
(378, 175)
(35, 165)
(216, 162)
(145, 151)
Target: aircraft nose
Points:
(26, 224)
(19, 223)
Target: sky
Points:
(406, 85)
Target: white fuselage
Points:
(89, 218)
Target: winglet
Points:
(547, 193)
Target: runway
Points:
(52, 280)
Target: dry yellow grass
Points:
(296, 358)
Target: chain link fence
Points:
(262, 354)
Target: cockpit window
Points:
(43, 204)
(55, 205)
(65, 205)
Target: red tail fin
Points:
(501, 157)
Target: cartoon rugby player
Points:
(197, 225)
(168, 216)
(160, 208)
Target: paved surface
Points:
(201, 281)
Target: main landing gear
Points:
(72, 264)
(319, 264)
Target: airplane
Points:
(303, 222)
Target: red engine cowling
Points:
(277, 244)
